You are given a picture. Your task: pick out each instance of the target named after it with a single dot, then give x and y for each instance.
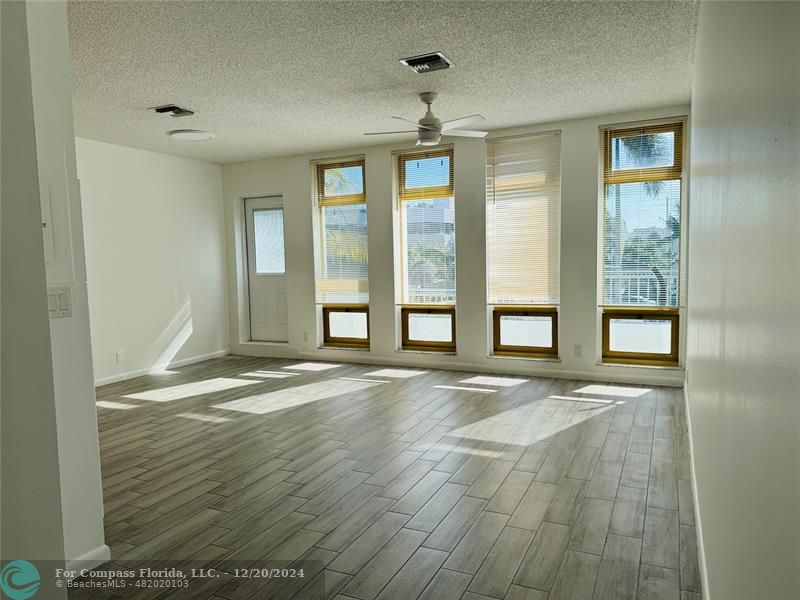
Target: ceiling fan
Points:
(430, 128)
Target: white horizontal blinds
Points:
(427, 220)
(642, 221)
(523, 220)
(341, 234)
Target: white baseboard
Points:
(698, 525)
(176, 363)
(90, 560)
(531, 368)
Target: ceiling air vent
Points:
(425, 63)
(172, 110)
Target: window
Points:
(642, 242)
(630, 335)
(346, 326)
(268, 241)
(523, 237)
(340, 224)
(427, 261)
(429, 328)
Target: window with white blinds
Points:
(340, 231)
(642, 243)
(642, 215)
(523, 220)
(427, 227)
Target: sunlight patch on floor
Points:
(496, 381)
(268, 375)
(465, 449)
(296, 396)
(313, 366)
(187, 390)
(527, 424)
(115, 405)
(577, 399)
(396, 373)
(613, 390)
(205, 418)
(465, 389)
(365, 380)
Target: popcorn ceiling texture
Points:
(281, 78)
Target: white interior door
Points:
(266, 264)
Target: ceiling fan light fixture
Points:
(428, 137)
(189, 135)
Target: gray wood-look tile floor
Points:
(402, 483)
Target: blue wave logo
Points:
(19, 580)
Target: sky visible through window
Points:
(344, 181)
(427, 172)
(643, 151)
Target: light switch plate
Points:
(59, 301)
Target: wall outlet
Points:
(305, 336)
(119, 356)
(578, 350)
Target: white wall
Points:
(155, 258)
(579, 321)
(31, 513)
(744, 311)
(51, 83)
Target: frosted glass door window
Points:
(268, 241)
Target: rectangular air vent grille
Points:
(172, 110)
(425, 63)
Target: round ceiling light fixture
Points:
(189, 135)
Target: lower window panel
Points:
(346, 326)
(640, 337)
(429, 328)
(526, 331)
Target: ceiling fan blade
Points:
(414, 123)
(455, 123)
(465, 133)
(388, 132)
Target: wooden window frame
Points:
(673, 171)
(341, 342)
(498, 312)
(409, 344)
(323, 200)
(426, 193)
(642, 358)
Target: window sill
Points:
(350, 348)
(637, 366)
(547, 359)
(431, 352)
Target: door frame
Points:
(250, 204)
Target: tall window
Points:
(427, 261)
(641, 252)
(523, 236)
(342, 288)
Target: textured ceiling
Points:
(281, 78)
